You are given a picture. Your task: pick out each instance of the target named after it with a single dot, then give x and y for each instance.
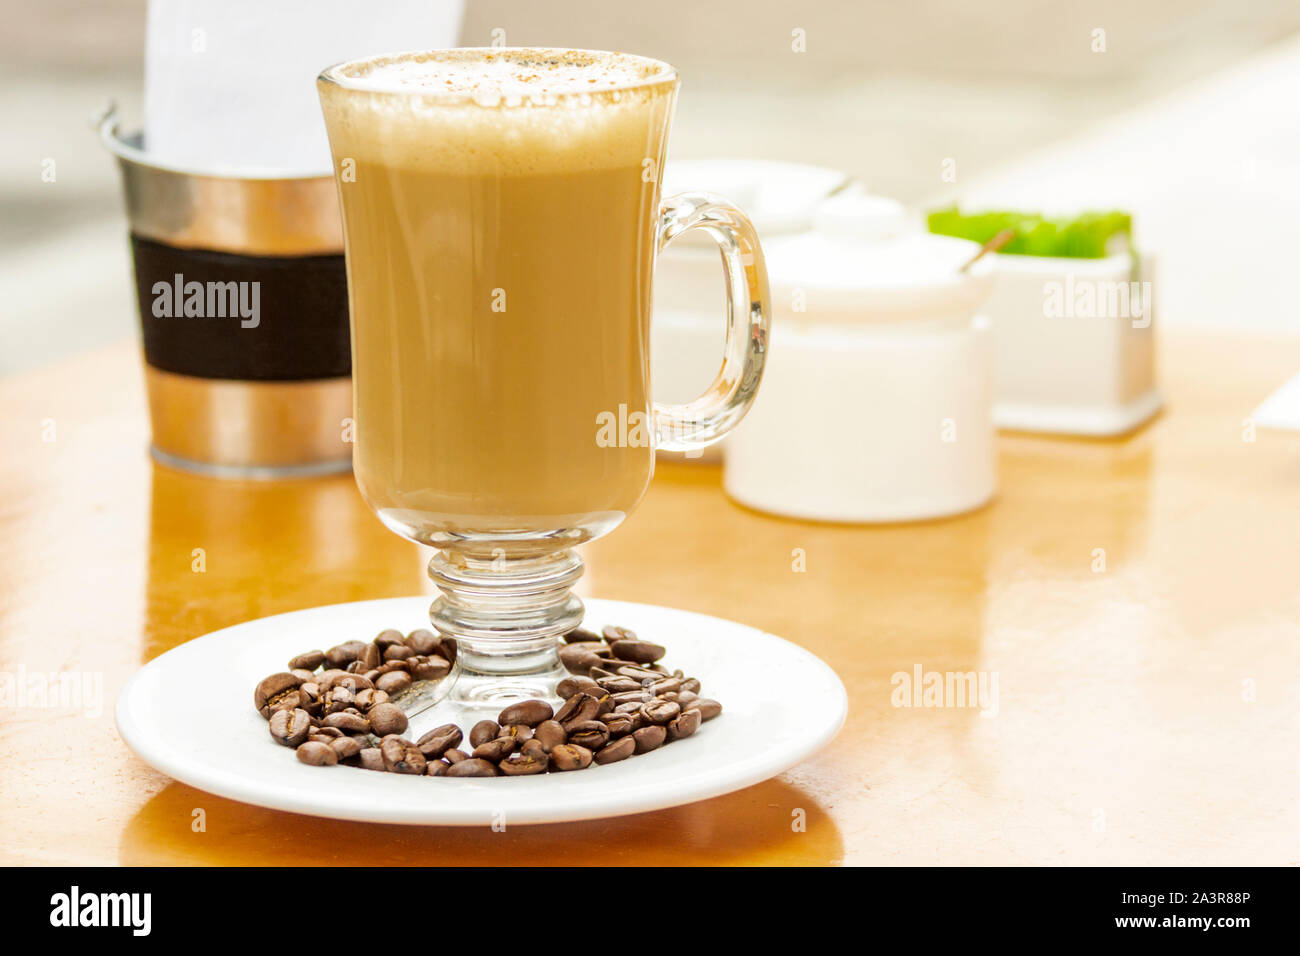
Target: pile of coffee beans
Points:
(337, 707)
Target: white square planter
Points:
(1073, 344)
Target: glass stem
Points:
(505, 615)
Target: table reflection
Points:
(225, 551)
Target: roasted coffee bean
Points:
(496, 749)
(578, 707)
(308, 662)
(619, 724)
(393, 682)
(439, 740)
(354, 682)
(643, 652)
(386, 719)
(649, 738)
(290, 727)
(576, 685)
(613, 668)
(422, 641)
(527, 712)
(340, 698)
(427, 644)
(273, 690)
(401, 756)
(473, 767)
(549, 734)
(616, 750)
(317, 754)
(369, 698)
(430, 668)
(666, 685)
(589, 711)
(618, 700)
(707, 707)
(521, 765)
(346, 747)
(289, 700)
(612, 633)
(341, 655)
(348, 722)
(618, 685)
(637, 697)
(579, 658)
(570, 706)
(483, 731)
(638, 674)
(591, 734)
(570, 757)
(533, 748)
(684, 724)
(659, 711)
(309, 698)
(517, 732)
(370, 658)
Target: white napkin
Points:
(230, 85)
(1281, 409)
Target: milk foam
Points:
(491, 76)
(499, 112)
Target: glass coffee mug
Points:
(502, 213)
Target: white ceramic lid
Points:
(843, 254)
(867, 260)
(778, 197)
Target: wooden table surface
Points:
(1146, 713)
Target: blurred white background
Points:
(1011, 90)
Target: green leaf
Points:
(1091, 235)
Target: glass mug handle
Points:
(701, 422)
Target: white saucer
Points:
(780, 704)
